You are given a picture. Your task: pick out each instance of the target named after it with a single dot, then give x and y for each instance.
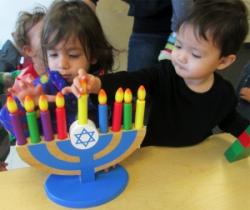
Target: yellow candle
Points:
(83, 104)
(140, 107)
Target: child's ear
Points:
(226, 61)
(27, 51)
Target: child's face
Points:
(67, 58)
(33, 50)
(195, 59)
(34, 35)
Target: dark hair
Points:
(24, 23)
(224, 20)
(74, 17)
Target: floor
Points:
(117, 26)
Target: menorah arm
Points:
(129, 142)
(41, 156)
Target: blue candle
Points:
(103, 111)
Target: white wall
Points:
(9, 10)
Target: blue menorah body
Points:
(77, 177)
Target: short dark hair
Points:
(25, 22)
(74, 17)
(225, 20)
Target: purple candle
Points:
(45, 118)
(16, 121)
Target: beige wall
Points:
(117, 27)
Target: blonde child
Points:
(26, 43)
(188, 97)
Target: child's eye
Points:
(196, 55)
(74, 55)
(52, 54)
(177, 46)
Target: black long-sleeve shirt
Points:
(180, 116)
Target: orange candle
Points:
(61, 117)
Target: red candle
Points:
(61, 117)
(117, 110)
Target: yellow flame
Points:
(119, 95)
(11, 104)
(128, 96)
(60, 100)
(83, 83)
(141, 93)
(43, 103)
(29, 104)
(102, 97)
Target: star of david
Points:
(85, 137)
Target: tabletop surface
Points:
(197, 177)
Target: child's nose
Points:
(182, 56)
(63, 63)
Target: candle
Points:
(103, 111)
(61, 117)
(32, 120)
(15, 121)
(83, 104)
(127, 110)
(140, 107)
(45, 118)
(117, 110)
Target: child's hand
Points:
(21, 89)
(93, 84)
(245, 94)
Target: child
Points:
(27, 39)
(71, 39)
(18, 51)
(188, 97)
(26, 43)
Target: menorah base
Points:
(69, 191)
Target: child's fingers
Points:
(245, 98)
(77, 84)
(11, 91)
(71, 89)
(38, 90)
(51, 98)
(81, 73)
(66, 90)
(75, 90)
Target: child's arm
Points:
(245, 94)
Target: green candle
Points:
(127, 110)
(32, 120)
